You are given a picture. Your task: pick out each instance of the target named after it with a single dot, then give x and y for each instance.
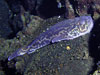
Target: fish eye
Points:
(82, 22)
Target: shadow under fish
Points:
(64, 30)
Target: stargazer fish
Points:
(64, 30)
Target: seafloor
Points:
(21, 21)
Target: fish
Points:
(65, 30)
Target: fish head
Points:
(81, 26)
(85, 24)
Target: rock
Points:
(5, 30)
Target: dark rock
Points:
(49, 8)
(15, 23)
(14, 6)
(5, 30)
(30, 5)
(94, 44)
(43, 8)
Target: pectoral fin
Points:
(58, 39)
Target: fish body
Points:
(64, 30)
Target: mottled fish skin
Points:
(64, 30)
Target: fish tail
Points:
(15, 54)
